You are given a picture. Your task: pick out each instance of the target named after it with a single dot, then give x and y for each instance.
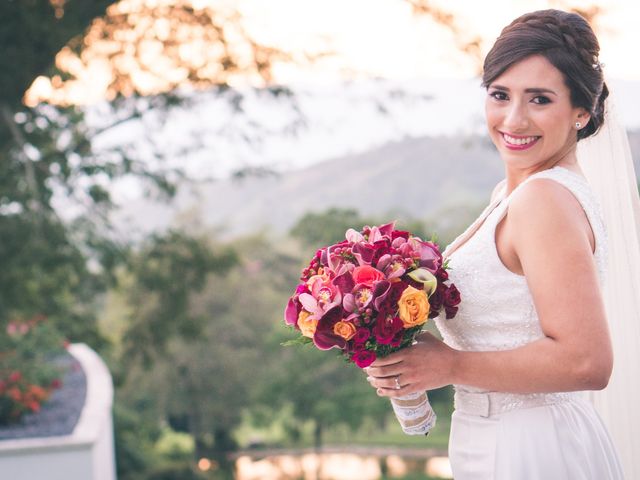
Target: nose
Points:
(516, 118)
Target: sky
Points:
(384, 38)
(380, 38)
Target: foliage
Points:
(32, 33)
(48, 159)
(319, 385)
(167, 272)
(134, 439)
(317, 229)
(175, 445)
(199, 373)
(150, 48)
(27, 372)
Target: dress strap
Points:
(473, 228)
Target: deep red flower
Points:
(442, 275)
(386, 296)
(386, 329)
(364, 253)
(451, 312)
(361, 336)
(346, 281)
(451, 296)
(400, 233)
(363, 358)
(324, 338)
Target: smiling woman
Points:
(531, 117)
(531, 336)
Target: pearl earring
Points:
(578, 124)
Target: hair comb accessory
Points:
(596, 65)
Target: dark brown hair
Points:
(567, 41)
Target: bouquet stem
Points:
(414, 412)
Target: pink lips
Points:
(511, 146)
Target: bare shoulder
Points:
(546, 200)
(545, 210)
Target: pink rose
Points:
(367, 275)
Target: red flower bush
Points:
(27, 372)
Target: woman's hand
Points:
(426, 365)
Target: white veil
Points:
(606, 161)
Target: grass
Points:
(370, 434)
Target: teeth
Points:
(518, 141)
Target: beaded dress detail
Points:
(497, 311)
(498, 435)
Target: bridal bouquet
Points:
(370, 294)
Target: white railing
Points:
(87, 453)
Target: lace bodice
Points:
(497, 311)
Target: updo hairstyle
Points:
(567, 41)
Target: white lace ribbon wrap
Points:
(414, 413)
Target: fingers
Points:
(396, 392)
(387, 383)
(388, 360)
(384, 371)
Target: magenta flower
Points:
(349, 302)
(428, 255)
(386, 329)
(362, 296)
(361, 336)
(291, 312)
(393, 266)
(344, 282)
(363, 358)
(364, 253)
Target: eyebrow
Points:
(528, 90)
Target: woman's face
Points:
(530, 117)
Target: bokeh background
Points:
(167, 167)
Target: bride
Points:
(531, 337)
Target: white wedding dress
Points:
(503, 436)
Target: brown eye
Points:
(498, 95)
(541, 100)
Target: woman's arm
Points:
(550, 235)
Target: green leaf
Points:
(301, 340)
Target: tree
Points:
(47, 156)
(203, 379)
(150, 48)
(320, 386)
(167, 272)
(32, 33)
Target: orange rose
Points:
(345, 330)
(367, 274)
(413, 307)
(306, 324)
